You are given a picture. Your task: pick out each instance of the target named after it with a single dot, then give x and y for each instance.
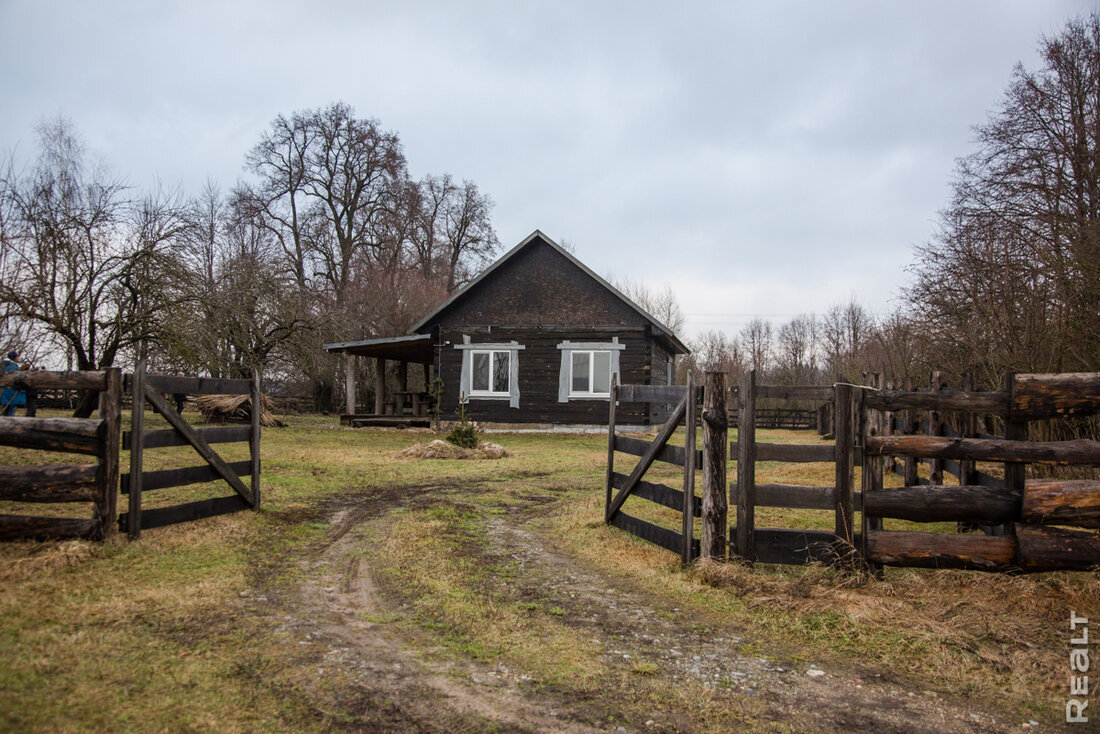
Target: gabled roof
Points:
(659, 328)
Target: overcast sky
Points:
(765, 158)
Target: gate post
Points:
(688, 525)
(746, 469)
(845, 440)
(713, 540)
(137, 448)
(110, 410)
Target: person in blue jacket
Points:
(10, 398)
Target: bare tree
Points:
(92, 267)
(660, 304)
(1012, 281)
(756, 344)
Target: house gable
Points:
(539, 284)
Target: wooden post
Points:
(110, 410)
(870, 480)
(611, 441)
(254, 437)
(137, 449)
(746, 468)
(845, 471)
(379, 384)
(349, 383)
(935, 428)
(688, 524)
(912, 477)
(1015, 430)
(402, 386)
(714, 531)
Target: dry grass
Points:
(235, 409)
(445, 450)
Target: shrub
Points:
(464, 433)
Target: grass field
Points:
(479, 566)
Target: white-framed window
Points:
(489, 373)
(587, 369)
(590, 374)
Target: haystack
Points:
(235, 409)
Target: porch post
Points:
(402, 386)
(349, 388)
(379, 384)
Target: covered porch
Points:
(398, 408)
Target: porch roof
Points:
(415, 348)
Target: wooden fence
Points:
(1024, 520)
(682, 500)
(97, 437)
(148, 388)
(1020, 515)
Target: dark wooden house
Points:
(535, 339)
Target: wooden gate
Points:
(681, 500)
(794, 545)
(148, 388)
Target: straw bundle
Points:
(235, 409)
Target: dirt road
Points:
(389, 680)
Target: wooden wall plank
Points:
(663, 537)
(668, 454)
(652, 393)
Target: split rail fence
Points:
(102, 437)
(1023, 520)
(54, 483)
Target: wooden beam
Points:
(1062, 502)
(844, 470)
(652, 393)
(746, 469)
(197, 443)
(650, 455)
(110, 412)
(795, 392)
(715, 510)
(995, 403)
(1080, 451)
(182, 476)
(379, 384)
(42, 380)
(132, 482)
(1051, 549)
(610, 476)
(254, 439)
(1045, 396)
(25, 527)
(198, 385)
(668, 454)
(71, 435)
(190, 511)
(663, 537)
(349, 383)
(661, 494)
(169, 437)
(52, 483)
(935, 503)
(940, 550)
(687, 531)
(795, 452)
